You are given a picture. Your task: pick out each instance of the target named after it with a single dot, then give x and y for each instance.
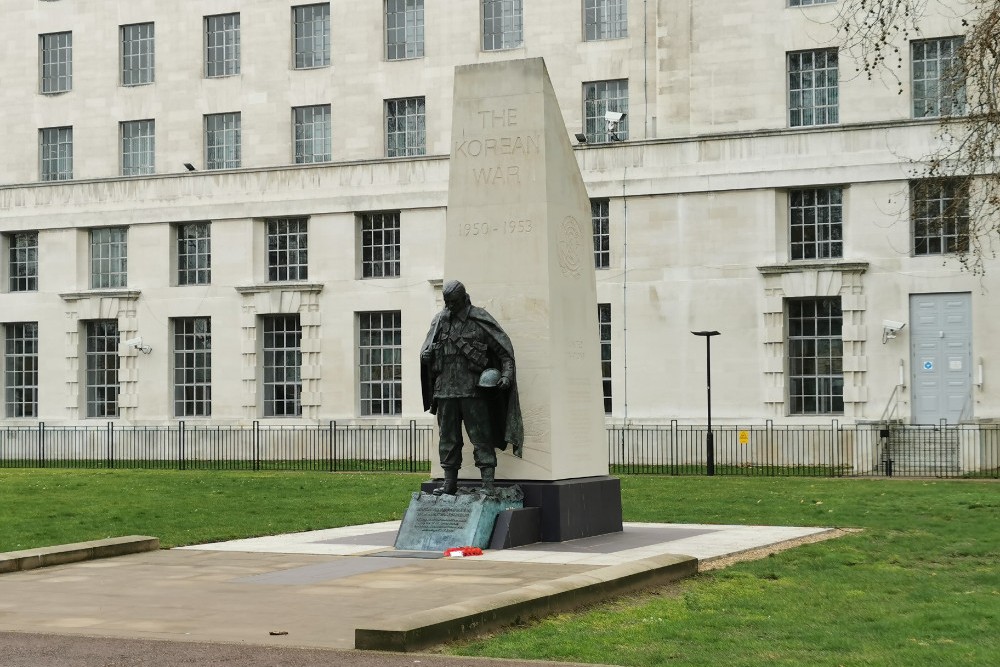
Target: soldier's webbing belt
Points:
(478, 359)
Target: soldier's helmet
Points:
(490, 377)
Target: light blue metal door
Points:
(941, 357)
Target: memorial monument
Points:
(519, 238)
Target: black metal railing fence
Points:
(833, 450)
(329, 447)
(675, 449)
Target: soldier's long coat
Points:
(505, 406)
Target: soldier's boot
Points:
(450, 485)
(488, 478)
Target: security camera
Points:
(613, 118)
(136, 344)
(890, 328)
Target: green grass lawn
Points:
(44, 507)
(919, 586)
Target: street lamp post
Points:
(709, 439)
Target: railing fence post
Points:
(621, 450)
(890, 453)
(608, 440)
(413, 437)
(111, 445)
(673, 446)
(370, 449)
(334, 459)
(256, 445)
(834, 442)
(181, 435)
(331, 430)
(769, 451)
(41, 444)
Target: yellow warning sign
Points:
(744, 437)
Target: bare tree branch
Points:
(878, 33)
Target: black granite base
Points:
(570, 508)
(517, 528)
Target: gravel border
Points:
(719, 562)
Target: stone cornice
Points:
(101, 294)
(279, 287)
(798, 267)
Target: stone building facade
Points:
(231, 210)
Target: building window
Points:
(56, 153)
(282, 376)
(812, 88)
(194, 253)
(20, 369)
(815, 356)
(192, 367)
(313, 142)
(22, 261)
(404, 29)
(109, 257)
(222, 45)
(604, 321)
(138, 54)
(940, 213)
(57, 62)
(287, 249)
(600, 97)
(602, 239)
(815, 220)
(380, 363)
(503, 24)
(605, 19)
(102, 368)
(938, 77)
(138, 147)
(223, 141)
(312, 35)
(806, 3)
(380, 245)
(405, 129)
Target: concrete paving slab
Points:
(331, 589)
(41, 650)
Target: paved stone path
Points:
(34, 650)
(238, 602)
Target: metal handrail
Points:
(889, 413)
(966, 413)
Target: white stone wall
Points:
(698, 206)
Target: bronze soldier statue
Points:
(467, 376)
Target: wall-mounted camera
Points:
(890, 328)
(136, 344)
(613, 118)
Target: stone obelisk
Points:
(519, 235)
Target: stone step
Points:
(60, 554)
(922, 452)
